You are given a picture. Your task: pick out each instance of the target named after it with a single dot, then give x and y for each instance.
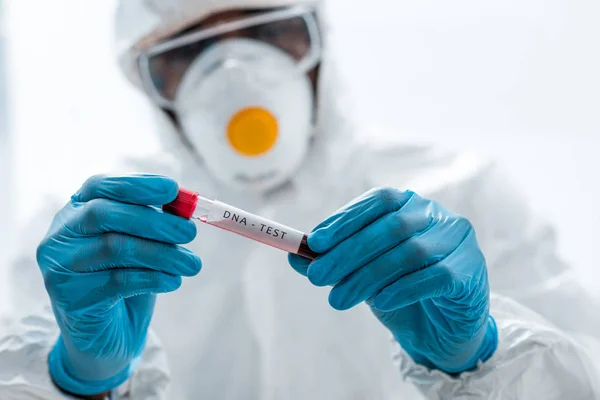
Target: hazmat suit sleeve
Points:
(24, 348)
(28, 333)
(533, 361)
(547, 323)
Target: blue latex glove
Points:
(419, 268)
(106, 256)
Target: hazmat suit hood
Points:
(141, 24)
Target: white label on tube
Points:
(254, 227)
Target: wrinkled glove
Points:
(419, 268)
(104, 259)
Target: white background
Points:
(516, 79)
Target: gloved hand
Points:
(104, 259)
(419, 268)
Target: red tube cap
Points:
(184, 204)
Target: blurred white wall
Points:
(6, 168)
(74, 115)
(515, 79)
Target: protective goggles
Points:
(293, 30)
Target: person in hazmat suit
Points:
(246, 101)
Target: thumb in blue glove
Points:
(418, 266)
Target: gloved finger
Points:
(115, 250)
(355, 216)
(125, 283)
(431, 282)
(106, 288)
(299, 264)
(416, 253)
(101, 215)
(141, 189)
(369, 243)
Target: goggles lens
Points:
(290, 30)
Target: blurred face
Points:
(240, 86)
(290, 35)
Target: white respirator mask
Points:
(247, 110)
(241, 93)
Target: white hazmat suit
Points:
(249, 327)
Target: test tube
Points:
(191, 205)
